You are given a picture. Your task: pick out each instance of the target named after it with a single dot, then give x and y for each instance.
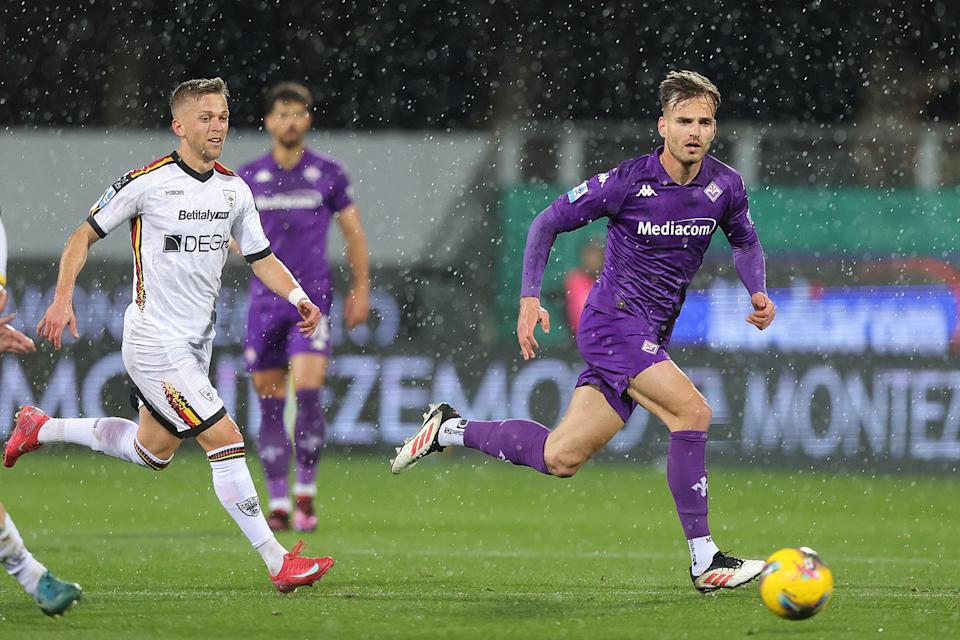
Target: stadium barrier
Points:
(858, 377)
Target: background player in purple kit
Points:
(298, 192)
(662, 211)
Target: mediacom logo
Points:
(687, 227)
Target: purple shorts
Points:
(273, 336)
(616, 346)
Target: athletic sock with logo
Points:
(687, 478)
(515, 441)
(16, 559)
(234, 488)
(115, 437)
(310, 431)
(274, 447)
(702, 550)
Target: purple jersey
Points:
(296, 207)
(657, 234)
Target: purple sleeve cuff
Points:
(751, 267)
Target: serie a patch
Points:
(574, 194)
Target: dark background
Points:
(469, 64)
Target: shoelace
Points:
(729, 562)
(296, 549)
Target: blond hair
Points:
(196, 88)
(681, 86)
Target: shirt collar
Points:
(187, 169)
(702, 178)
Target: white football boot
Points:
(424, 442)
(726, 572)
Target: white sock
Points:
(15, 558)
(75, 430)
(283, 504)
(309, 490)
(115, 437)
(451, 432)
(234, 488)
(272, 553)
(702, 551)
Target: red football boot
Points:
(298, 571)
(23, 438)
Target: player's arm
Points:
(748, 258)
(3, 266)
(11, 340)
(59, 314)
(278, 279)
(583, 204)
(356, 307)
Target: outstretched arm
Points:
(356, 307)
(278, 279)
(59, 314)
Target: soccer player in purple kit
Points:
(662, 210)
(298, 192)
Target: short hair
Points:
(196, 88)
(287, 92)
(681, 86)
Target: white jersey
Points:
(180, 227)
(3, 256)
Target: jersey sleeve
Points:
(600, 196)
(247, 230)
(3, 256)
(737, 224)
(342, 194)
(119, 203)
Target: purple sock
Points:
(274, 446)
(687, 477)
(310, 430)
(516, 441)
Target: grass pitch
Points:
(471, 548)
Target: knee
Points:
(561, 463)
(156, 461)
(697, 416)
(270, 390)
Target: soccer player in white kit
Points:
(182, 210)
(53, 595)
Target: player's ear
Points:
(177, 127)
(661, 127)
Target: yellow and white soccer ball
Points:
(795, 583)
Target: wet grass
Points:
(465, 548)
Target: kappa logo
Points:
(650, 347)
(701, 487)
(713, 191)
(230, 197)
(262, 176)
(250, 507)
(646, 191)
(312, 173)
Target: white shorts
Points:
(172, 381)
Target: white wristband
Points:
(297, 295)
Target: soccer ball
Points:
(795, 583)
